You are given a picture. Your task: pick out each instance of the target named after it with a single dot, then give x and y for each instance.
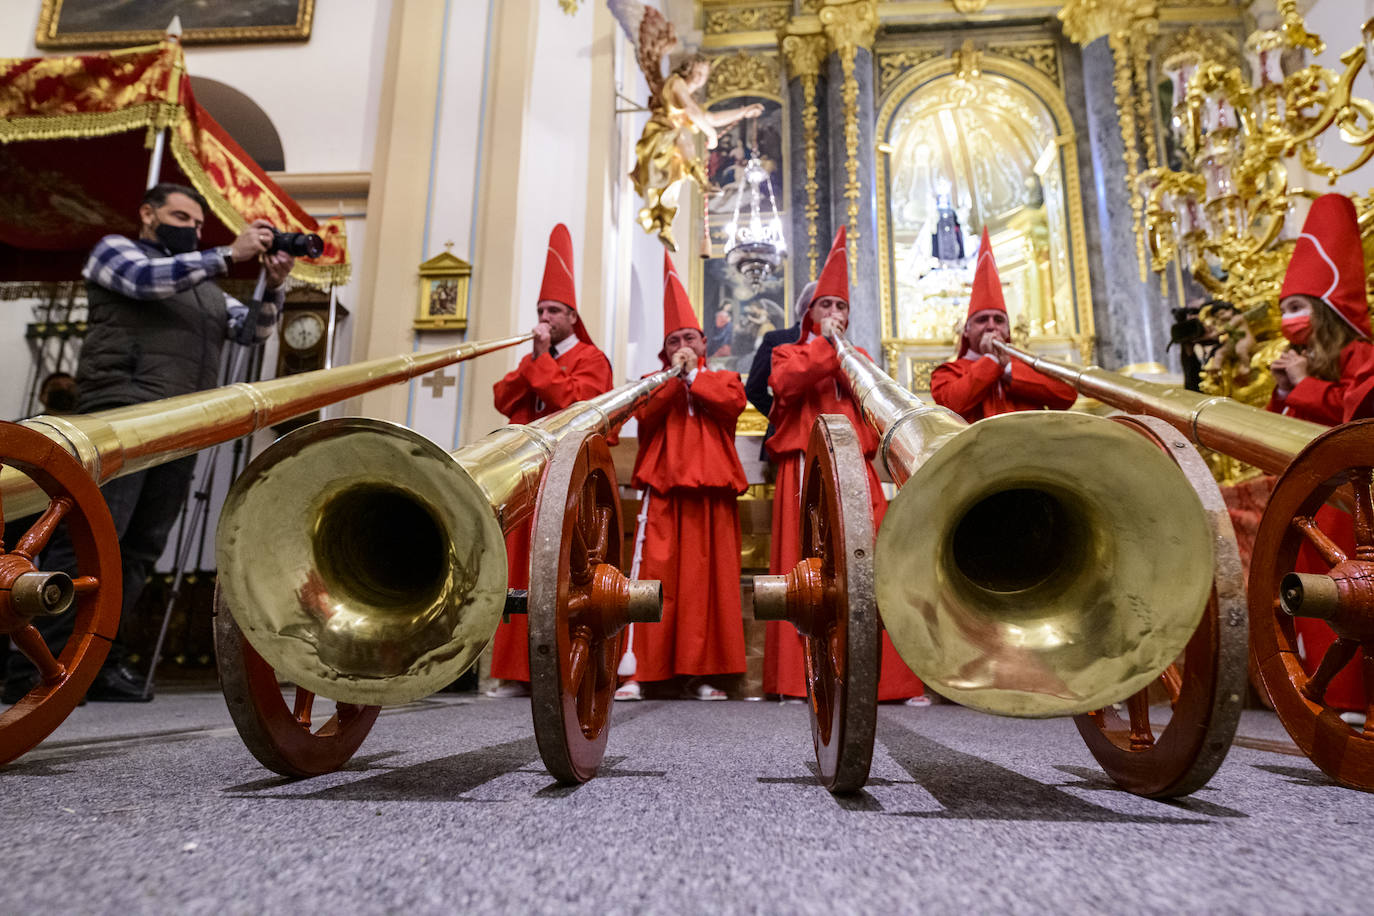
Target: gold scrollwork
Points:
(969, 6)
(742, 72)
(804, 51)
(892, 65)
(1085, 21)
(745, 19)
(569, 6)
(1043, 56)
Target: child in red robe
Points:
(807, 381)
(688, 535)
(563, 367)
(1327, 377)
(980, 381)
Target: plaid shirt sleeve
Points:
(239, 330)
(121, 265)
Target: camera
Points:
(297, 244)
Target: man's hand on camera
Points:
(278, 265)
(255, 239)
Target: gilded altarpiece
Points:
(983, 132)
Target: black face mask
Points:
(177, 239)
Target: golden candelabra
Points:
(1230, 215)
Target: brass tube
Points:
(911, 429)
(123, 440)
(368, 564)
(1269, 441)
(508, 463)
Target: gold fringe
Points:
(152, 115)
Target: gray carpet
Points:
(704, 807)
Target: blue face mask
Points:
(177, 239)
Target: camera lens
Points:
(298, 244)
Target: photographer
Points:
(157, 326)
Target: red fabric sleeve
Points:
(511, 390)
(720, 394)
(1316, 400)
(1030, 386)
(585, 377)
(652, 415)
(962, 388)
(798, 367)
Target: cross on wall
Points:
(437, 381)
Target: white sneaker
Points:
(708, 693)
(508, 689)
(628, 691)
(922, 700)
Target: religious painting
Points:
(443, 294)
(103, 23)
(735, 314)
(725, 163)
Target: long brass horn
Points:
(124, 440)
(1033, 564)
(365, 563)
(1269, 441)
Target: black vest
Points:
(142, 350)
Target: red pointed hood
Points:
(677, 308)
(558, 283)
(987, 287)
(834, 278)
(1328, 261)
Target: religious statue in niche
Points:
(666, 153)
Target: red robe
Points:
(807, 381)
(978, 388)
(1330, 403)
(534, 389)
(688, 536)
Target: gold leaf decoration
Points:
(744, 73)
(892, 66)
(1044, 57)
(745, 19)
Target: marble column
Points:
(1131, 319)
(850, 28)
(809, 230)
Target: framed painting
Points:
(109, 23)
(443, 294)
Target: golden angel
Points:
(666, 153)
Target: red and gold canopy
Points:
(76, 136)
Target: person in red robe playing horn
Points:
(563, 367)
(688, 533)
(807, 381)
(981, 381)
(1327, 376)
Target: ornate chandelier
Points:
(754, 243)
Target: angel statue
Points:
(666, 153)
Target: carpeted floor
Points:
(703, 807)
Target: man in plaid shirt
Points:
(157, 326)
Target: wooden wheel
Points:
(1341, 458)
(579, 604)
(281, 736)
(841, 644)
(1207, 690)
(73, 498)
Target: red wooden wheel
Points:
(1207, 689)
(841, 639)
(1341, 458)
(281, 737)
(579, 604)
(75, 499)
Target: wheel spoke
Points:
(1367, 669)
(30, 642)
(579, 654)
(1172, 679)
(1363, 509)
(305, 703)
(85, 585)
(1337, 656)
(1332, 554)
(36, 538)
(1138, 705)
